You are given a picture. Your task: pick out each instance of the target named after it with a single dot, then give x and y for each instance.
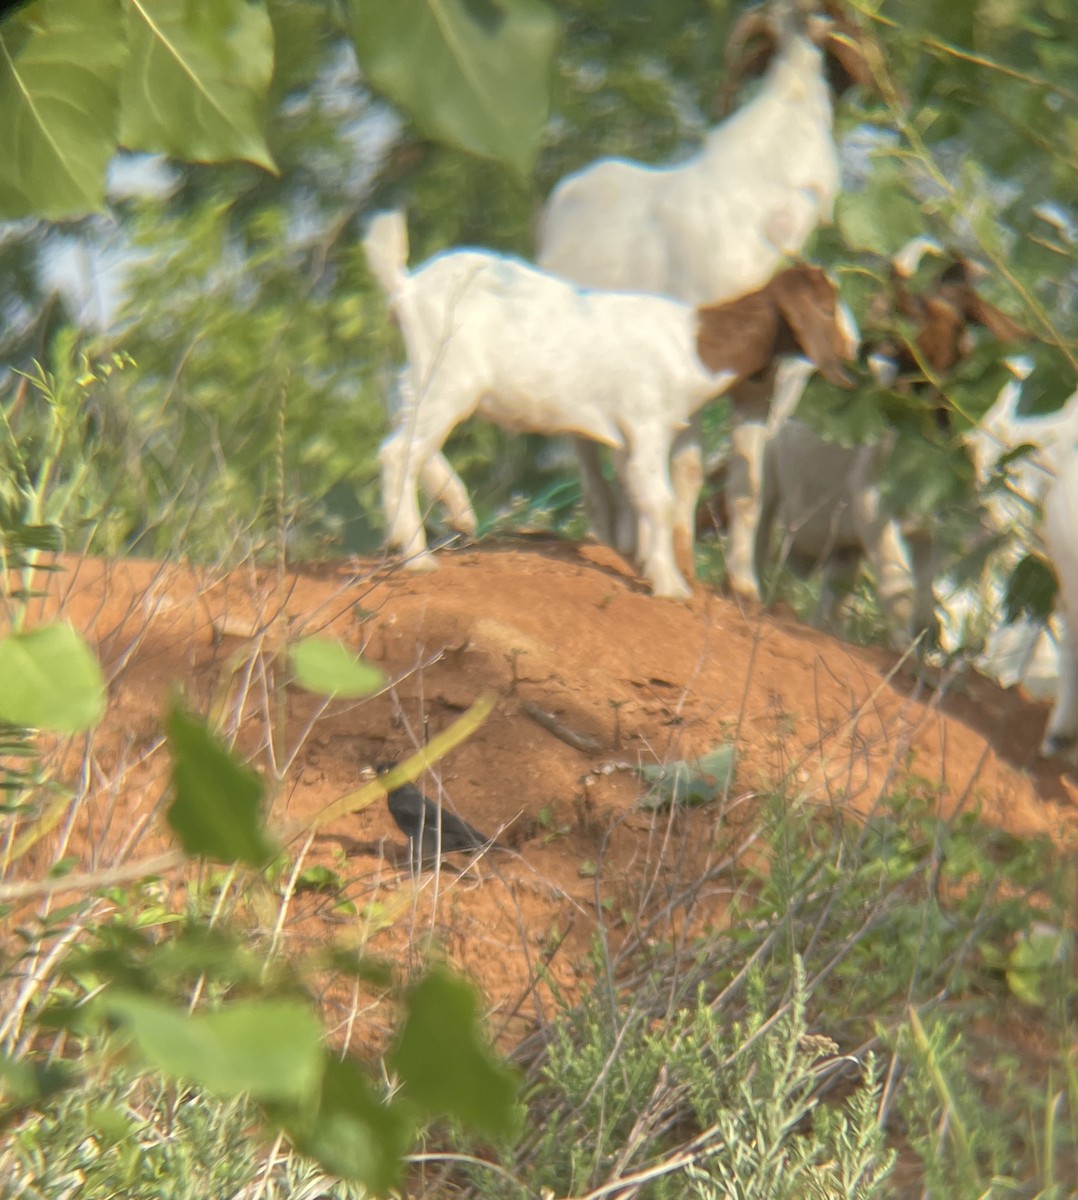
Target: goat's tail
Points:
(386, 247)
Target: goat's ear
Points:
(847, 65)
(940, 337)
(738, 335)
(807, 301)
(998, 324)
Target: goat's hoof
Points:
(1060, 745)
(672, 589)
(744, 591)
(422, 563)
(465, 526)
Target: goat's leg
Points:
(904, 578)
(744, 486)
(1061, 536)
(769, 499)
(413, 451)
(1061, 737)
(600, 498)
(839, 569)
(687, 477)
(628, 533)
(400, 502)
(924, 619)
(443, 484)
(647, 478)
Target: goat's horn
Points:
(908, 259)
(752, 24)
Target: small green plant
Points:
(146, 991)
(853, 961)
(618, 1081)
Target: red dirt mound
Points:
(576, 652)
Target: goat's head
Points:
(758, 34)
(944, 312)
(798, 312)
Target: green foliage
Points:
(56, 141)
(328, 666)
(51, 680)
(270, 393)
(29, 1084)
(1031, 590)
(107, 1142)
(707, 1068)
(350, 1131)
(691, 782)
(195, 79)
(474, 74)
(1037, 954)
(747, 1088)
(216, 810)
(270, 1049)
(925, 476)
(444, 1062)
(80, 77)
(62, 456)
(882, 216)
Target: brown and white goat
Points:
(496, 336)
(826, 496)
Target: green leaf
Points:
(49, 679)
(318, 879)
(328, 666)
(111, 1123)
(1050, 383)
(269, 1048)
(1031, 590)
(922, 477)
(692, 781)
(216, 810)
(882, 216)
(25, 1083)
(60, 64)
(977, 380)
(473, 73)
(851, 418)
(196, 79)
(1038, 952)
(445, 1064)
(351, 1132)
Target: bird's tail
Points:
(386, 247)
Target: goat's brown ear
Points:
(806, 299)
(847, 65)
(998, 324)
(939, 339)
(738, 335)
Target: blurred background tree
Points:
(264, 357)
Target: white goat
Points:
(714, 227)
(827, 498)
(1022, 651)
(494, 335)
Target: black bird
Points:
(417, 818)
